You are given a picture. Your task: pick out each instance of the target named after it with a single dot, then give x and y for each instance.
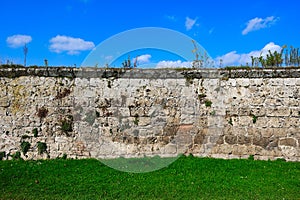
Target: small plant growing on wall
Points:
(66, 124)
(25, 137)
(213, 112)
(16, 156)
(254, 119)
(207, 103)
(230, 121)
(42, 147)
(25, 147)
(136, 120)
(35, 132)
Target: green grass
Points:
(186, 178)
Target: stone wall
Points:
(105, 113)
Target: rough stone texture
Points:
(107, 113)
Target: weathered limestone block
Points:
(245, 121)
(243, 140)
(244, 111)
(275, 122)
(257, 101)
(288, 142)
(231, 139)
(276, 82)
(278, 112)
(273, 102)
(273, 143)
(243, 82)
(4, 102)
(258, 140)
(199, 139)
(291, 102)
(289, 81)
(144, 121)
(292, 122)
(256, 82)
(258, 111)
(171, 149)
(103, 102)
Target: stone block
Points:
(288, 142)
(260, 141)
(243, 140)
(170, 149)
(278, 112)
(4, 102)
(231, 139)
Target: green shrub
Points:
(16, 156)
(207, 103)
(66, 126)
(251, 157)
(35, 132)
(254, 118)
(25, 137)
(42, 147)
(25, 147)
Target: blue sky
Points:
(65, 31)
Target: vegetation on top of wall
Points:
(277, 59)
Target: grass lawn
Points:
(186, 178)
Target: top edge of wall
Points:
(112, 73)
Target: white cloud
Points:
(16, 41)
(259, 23)
(229, 58)
(143, 58)
(233, 58)
(189, 23)
(71, 45)
(173, 64)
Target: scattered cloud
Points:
(230, 58)
(189, 23)
(144, 58)
(71, 45)
(233, 58)
(173, 64)
(259, 23)
(16, 41)
(211, 30)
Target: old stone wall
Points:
(105, 113)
